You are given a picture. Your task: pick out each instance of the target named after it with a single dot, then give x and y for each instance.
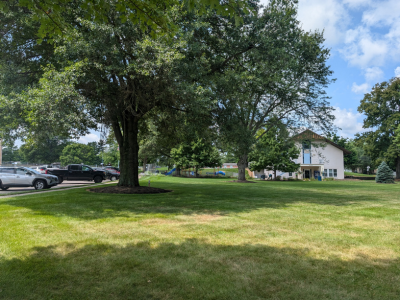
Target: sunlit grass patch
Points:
(208, 239)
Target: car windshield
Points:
(32, 170)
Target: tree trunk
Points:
(196, 171)
(178, 171)
(144, 163)
(129, 151)
(274, 174)
(398, 167)
(242, 165)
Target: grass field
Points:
(208, 239)
(357, 174)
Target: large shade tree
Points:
(382, 110)
(112, 72)
(277, 73)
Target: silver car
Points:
(25, 177)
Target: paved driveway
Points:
(65, 184)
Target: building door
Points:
(307, 174)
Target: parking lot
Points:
(65, 184)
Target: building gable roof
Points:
(310, 135)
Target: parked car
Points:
(78, 172)
(41, 169)
(116, 170)
(25, 177)
(110, 173)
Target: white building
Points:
(319, 156)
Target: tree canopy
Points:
(52, 15)
(77, 153)
(275, 151)
(382, 110)
(106, 67)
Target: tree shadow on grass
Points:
(193, 270)
(220, 199)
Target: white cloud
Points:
(377, 39)
(347, 120)
(329, 15)
(357, 3)
(363, 49)
(373, 75)
(382, 13)
(91, 137)
(397, 72)
(360, 89)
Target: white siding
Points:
(321, 153)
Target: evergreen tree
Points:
(384, 174)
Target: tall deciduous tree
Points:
(275, 151)
(279, 76)
(382, 110)
(110, 73)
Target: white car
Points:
(40, 169)
(25, 177)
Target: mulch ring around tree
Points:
(128, 190)
(242, 181)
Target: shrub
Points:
(384, 174)
(278, 177)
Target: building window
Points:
(324, 173)
(335, 172)
(290, 174)
(330, 172)
(306, 152)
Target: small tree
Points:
(78, 153)
(275, 151)
(198, 154)
(384, 174)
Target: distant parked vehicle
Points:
(25, 177)
(78, 172)
(41, 169)
(116, 170)
(110, 173)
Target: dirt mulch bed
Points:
(242, 181)
(128, 190)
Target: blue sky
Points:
(364, 38)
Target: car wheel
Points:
(113, 178)
(60, 179)
(98, 179)
(40, 185)
(4, 188)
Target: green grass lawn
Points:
(357, 174)
(208, 239)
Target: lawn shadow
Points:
(193, 270)
(194, 198)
